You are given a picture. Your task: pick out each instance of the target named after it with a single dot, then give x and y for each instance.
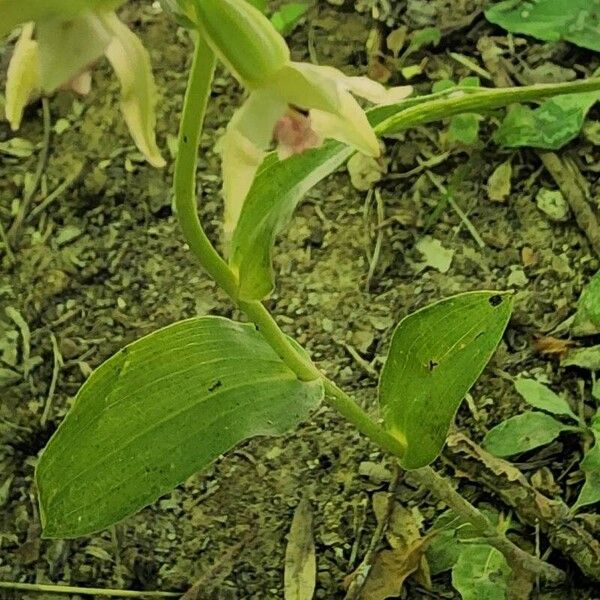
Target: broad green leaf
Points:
(523, 433)
(540, 396)
(481, 573)
(158, 411)
(436, 355)
(278, 188)
(16, 12)
(260, 4)
(590, 465)
(576, 21)
(587, 317)
(551, 125)
(288, 16)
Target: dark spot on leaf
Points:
(495, 300)
(185, 139)
(215, 385)
(432, 365)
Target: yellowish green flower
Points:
(55, 52)
(300, 104)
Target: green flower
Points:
(300, 104)
(54, 52)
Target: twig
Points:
(13, 232)
(461, 215)
(379, 240)
(54, 195)
(7, 249)
(362, 572)
(575, 536)
(58, 363)
(360, 360)
(574, 188)
(67, 589)
(443, 490)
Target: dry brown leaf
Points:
(300, 561)
(551, 345)
(391, 569)
(404, 537)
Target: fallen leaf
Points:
(407, 556)
(391, 569)
(365, 171)
(434, 254)
(300, 561)
(499, 184)
(553, 346)
(586, 358)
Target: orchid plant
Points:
(167, 405)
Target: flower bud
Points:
(243, 38)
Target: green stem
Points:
(479, 100)
(190, 130)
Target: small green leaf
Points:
(576, 21)
(540, 396)
(436, 355)
(464, 129)
(523, 433)
(586, 358)
(158, 411)
(420, 38)
(587, 317)
(453, 533)
(288, 16)
(550, 126)
(590, 465)
(481, 573)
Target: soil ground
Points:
(105, 263)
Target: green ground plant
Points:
(169, 404)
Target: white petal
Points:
(131, 63)
(67, 48)
(309, 86)
(375, 92)
(349, 125)
(243, 148)
(240, 162)
(22, 78)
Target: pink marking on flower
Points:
(294, 134)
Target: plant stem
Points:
(190, 130)
(479, 100)
(441, 488)
(67, 589)
(185, 201)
